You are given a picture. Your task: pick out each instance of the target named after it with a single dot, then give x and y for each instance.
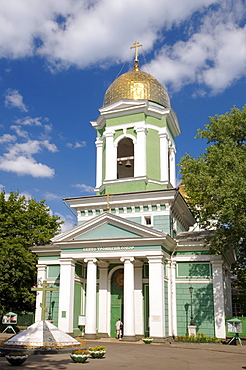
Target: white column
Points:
(66, 295)
(173, 299)
(91, 298)
(156, 297)
(164, 155)
(103, 299)
(140, 152)
(172, 167)
(219, 299)
(111, 160)
(129, 327)
(41, 276)
(99, 146)
(138, 295)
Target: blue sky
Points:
(57, 58)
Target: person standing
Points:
(119, 327)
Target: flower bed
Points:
(16, 358)
(200, 338)
(147, 340)
(79, 355)
(97, 352)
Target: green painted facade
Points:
(117, 299)
(162, 223)
(202, 298)
(153, 155)
(108, 231)
(188, 270)
(203, 308)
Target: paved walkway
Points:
(155, 356)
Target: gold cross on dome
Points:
(136, 46)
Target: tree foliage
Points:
(23, 223)
(215, 182)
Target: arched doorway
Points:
(117, 299)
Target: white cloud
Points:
(214, 57)
(19, 159)
(29, 121)
(69, 221)
(83, 33)
(25, 166)
(7, 138)
(84, 188)
(19, 131)
(13, 99)
(52, 196)
(77, 144)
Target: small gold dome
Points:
(136, 85)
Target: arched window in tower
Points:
(125, 158)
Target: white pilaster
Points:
(172, 167)
(66, 295)
(111, 163)
(41, 276)
(172, 299)
(99, 146)
(129, 327)
(91, 300)
(103, 298)
(138, 301)
(140, 152)
(156, 297)
(219, 299)
(164, 155)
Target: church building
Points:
(132, 254)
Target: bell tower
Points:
(136, 132)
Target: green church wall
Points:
(156, 121)
(135, 219)
(118, 133)
(126, 187)
(77, 306)
(53, 272)
(108, 231)
(117, 299)
(52, 303)
(162, 223)
(153, 154)
(202, 306)
(123, 120)
(49, 257)
(146, 309)
(188, 270)
(131, 131)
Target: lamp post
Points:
(50, 315)
(191, 311)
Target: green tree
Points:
(23, 223)
(215, 183)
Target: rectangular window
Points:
(147, 220)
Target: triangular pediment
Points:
(108, 226)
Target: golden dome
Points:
(137, 85)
